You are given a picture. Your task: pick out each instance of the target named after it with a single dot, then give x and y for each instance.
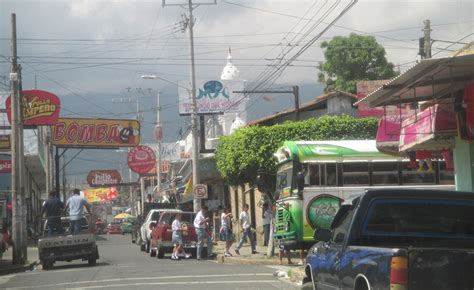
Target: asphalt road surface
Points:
(123, 266)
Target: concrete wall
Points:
(338, 105)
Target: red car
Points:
(114, 228)
(161, 234)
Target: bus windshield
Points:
(283, 180)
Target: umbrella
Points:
(122, 216)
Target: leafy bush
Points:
(241, 154)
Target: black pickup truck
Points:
(396, 239)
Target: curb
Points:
(245, 261)
(19, 268)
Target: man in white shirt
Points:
(76, 204)
(246, 230)
(200, 224)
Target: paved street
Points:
(122, 265)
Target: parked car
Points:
(396, 239)
(146, 228)
(114, 227)
(161, 235)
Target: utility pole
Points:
(427, 38)
(194, 131)
(295, 91)
(158, 137)
(17, 210)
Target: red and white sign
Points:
(39, 108)
(5, 166)
(141, 159)
(104, 178)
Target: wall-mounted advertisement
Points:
(39, 108)
(5, 144)
(96, 133)
(212, 97)
(100, 194)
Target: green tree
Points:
(353, 58)
(240, 155)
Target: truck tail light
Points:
(399, 273)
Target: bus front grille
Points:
(280, 215)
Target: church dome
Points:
(230, 72)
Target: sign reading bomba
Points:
(39, 108)
(212, 97)
(141, 159)
(97, 178)
(96, 133)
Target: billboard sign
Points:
(5, 144)
(212, 97)
(96, 133)
(100, 194)
(141, 159)
(39, 108)
(5, 166)
(97, 178)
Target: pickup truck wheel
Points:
(361, 285)
(152, 253)
(91, 262)
(160, 252)
(307, 286)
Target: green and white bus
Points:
(313, 177)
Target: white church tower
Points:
(231, 73)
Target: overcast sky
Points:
(88, 52)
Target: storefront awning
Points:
(429, 79)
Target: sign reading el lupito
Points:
(96, 133)
(39, 108)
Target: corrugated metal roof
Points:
(429, 79)
(312, 105)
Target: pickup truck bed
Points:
(397, 239)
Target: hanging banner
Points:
(212, 97)
(39, 108)
(5, 144)
(141, 159)
(97, 178)
(100, 194)
(5, 166)
(96, 133)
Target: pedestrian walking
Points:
(76, 204)
(267, 216)
(225, 232)
(53, 207)
(177, 238)
(200, 225)
(244, 219)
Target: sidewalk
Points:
(6, 266)
(294, 272)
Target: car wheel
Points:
(160, 252)
(91, 262)
(147, 247)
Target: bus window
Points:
(355, 173)
(445, 176)
(283, 180)
(331, 174)
(385, 173)
(314, 175)
(413, 176)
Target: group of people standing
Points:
(54, 209)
